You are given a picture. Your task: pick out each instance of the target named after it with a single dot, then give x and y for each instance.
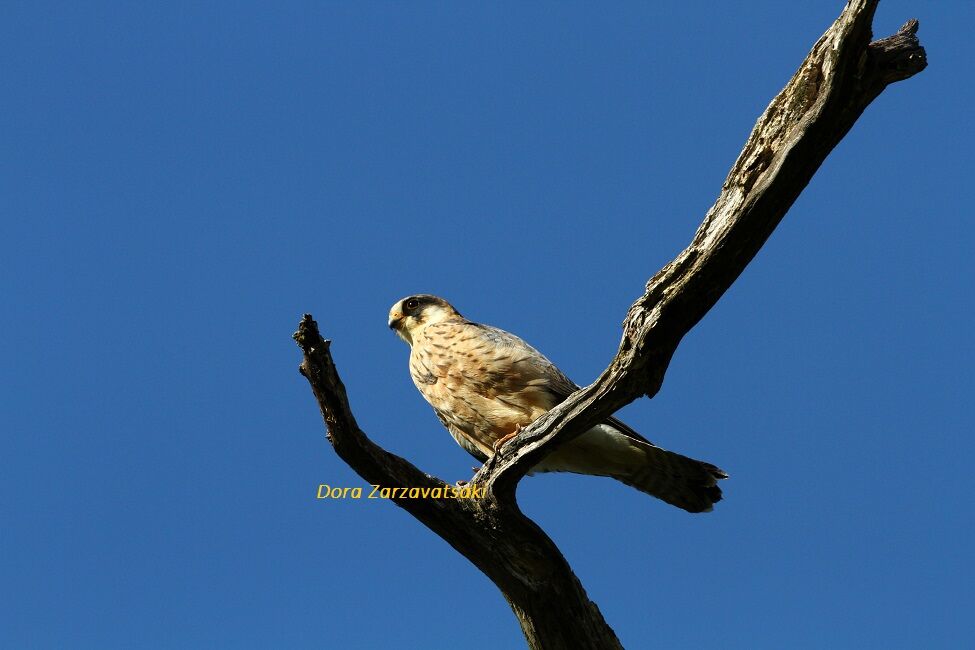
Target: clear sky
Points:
(181, 181)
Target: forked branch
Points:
(839, 78)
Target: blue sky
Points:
(181, 182)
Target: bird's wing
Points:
(556, 382)
(527, 362)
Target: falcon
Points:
(485, 385)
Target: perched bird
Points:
(486, 384)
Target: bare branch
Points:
(839, 78)
(371, 462)
(525, 564)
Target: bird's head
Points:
(414, 312)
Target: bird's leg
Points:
(503, 439)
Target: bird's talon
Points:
(504, 439)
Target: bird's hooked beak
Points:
(397, 323)
(395, 319)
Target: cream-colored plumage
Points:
(485, 383)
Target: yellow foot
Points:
(499, 443)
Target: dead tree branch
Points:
(839, 78)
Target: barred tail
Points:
(615, 450)
(680, 481)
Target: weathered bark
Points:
(842, 74)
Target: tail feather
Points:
(680, 481)
(615, 450)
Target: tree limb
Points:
(839, 78)
(842, 74)
(509, 548)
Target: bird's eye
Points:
(412, 304)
